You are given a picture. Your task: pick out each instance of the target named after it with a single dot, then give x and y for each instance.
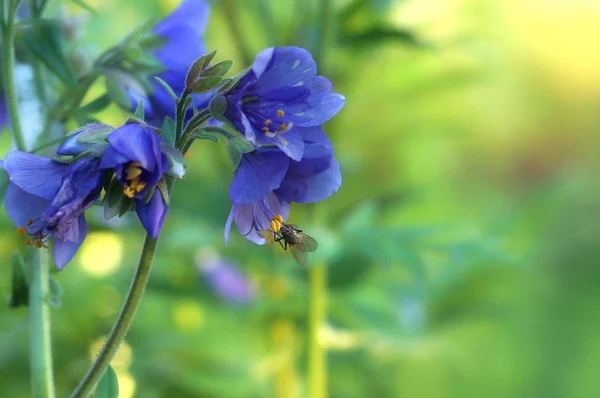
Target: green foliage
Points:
(108, 386)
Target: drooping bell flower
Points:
(134, 152)
(267, 181)
(47, 199)
(279, 97)
(183, 30)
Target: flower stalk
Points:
(317, 361)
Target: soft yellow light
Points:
(126, 384)
(101, 253)
(122, 358)
(188, 316)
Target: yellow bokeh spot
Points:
(188, 316)
(126, 384)
(122, 358)
(101, 253)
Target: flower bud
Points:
(90, 138)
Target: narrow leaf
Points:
(108, 386)
(168, 131)
(168, 88)
(139, 111)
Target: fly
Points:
(289, 235)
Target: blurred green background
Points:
(459, 258)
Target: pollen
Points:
(282, 127)
(280, 113)
(278, 217)
(267, 122)
(268, 235)
(21, 230)
(276, 223)
(133, 187)
(28, 242)
(38, 244)
(265, 129)
(29, 223)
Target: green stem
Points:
(42, 384)
(231, 17)
(8, 69)
(120, 328)
(317, 366)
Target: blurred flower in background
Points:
(224, 277)
(182, 31)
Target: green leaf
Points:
(46, 42)
(19, 295)
(168, 131)
(95, 106)
(116, 92)
(218, 69)
(197, 67)
(236, 147)
(204, 84)
(166, 86)
(380, 34)
(139, 111)
(207, 136)
(217, 107)
(108, 386)
(85, 6)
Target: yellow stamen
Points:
(29, 223)
(280, 113)
(282, 127)
(275, 226)
(268, 235)
(27, 242)
(278, 217)
(267, 122)
(265, 129)
(139, 186)
(21, 230)
(38, 244)
(133, 171)
(129, 192)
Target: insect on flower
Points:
(289, 235)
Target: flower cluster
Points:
(279, 106)
(47, 198)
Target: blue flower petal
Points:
(324, 105)
(34, 174)
(319, 84)
(152, 214)
(290, 143)
(244, 216)
(112, 158)
(65, 248)
(228, 225)
(22, 206)
(138, 143)
(283, 66)
(309, 189)
(191, 13)
(315, 135)
(258, 173)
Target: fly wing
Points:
(307, 244)
(299, 256)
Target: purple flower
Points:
(47, 199)
(134, 152)
(183, 31)
(226, 280)
(267, 181)
(279, 97)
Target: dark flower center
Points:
(133, 180)
(272, 126)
